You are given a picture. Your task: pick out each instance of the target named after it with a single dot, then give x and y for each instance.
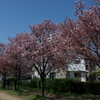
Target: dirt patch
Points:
(6, 96)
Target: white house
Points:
(77, 69)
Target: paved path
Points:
(6, 96)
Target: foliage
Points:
(60, 85)
(66, 86)
(97, 72)
(34, 83)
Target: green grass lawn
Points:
(26, 95)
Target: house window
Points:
(52, 75)
(98, 79)
(77, 61)
(68, 75)
(77, 74)
(87, 67)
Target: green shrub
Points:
(34, 83)
(95, 88)
(59, 85)
(65, 86)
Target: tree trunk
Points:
(18, 79)
(42, 87)
(15, 85)
(15, 79)
(4, 81)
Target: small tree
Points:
(4, 67)
(16, 62)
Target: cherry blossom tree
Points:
(87, 34)
(84, 33)
(68, 32)
(4, 67)
(40, 49)
(16, 62)
(48, 54)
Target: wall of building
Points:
(61, 73)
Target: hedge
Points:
(66, 85)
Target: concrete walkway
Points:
(5, 96)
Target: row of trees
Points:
(50, 46)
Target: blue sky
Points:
(17, 15)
